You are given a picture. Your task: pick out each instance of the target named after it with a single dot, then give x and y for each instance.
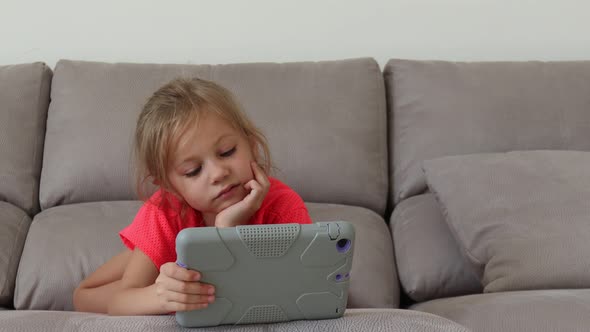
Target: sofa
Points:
(384, 149)
(490, 183)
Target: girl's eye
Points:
(228, 152)
(194, 172)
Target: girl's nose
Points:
(218, 171)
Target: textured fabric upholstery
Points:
(67, 243)
(441, 108)
(24, 96)
(318, 117)
(428, 259)
(377, 320)
(14, 224)
(524, 311)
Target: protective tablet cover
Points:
(269, 273)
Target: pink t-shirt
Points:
(158, 221)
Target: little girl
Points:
(209, 163)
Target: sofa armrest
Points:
(14, 225)
(374, 280)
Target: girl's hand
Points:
(243, 210)
(179, 289)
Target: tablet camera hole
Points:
(343, 245)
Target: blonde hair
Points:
(169, 111)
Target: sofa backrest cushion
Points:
(24, 98)
(443, 108)
(325, 122)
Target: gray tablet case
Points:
(269, 273)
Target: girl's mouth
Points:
(227, 191)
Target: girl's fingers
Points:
(253, 185)
(177, 306)
(262, 181)
(166, 283)
(174, 271)
(259, 174)
(256, 195)
(248, 185)
(193, 288)
(189, 298)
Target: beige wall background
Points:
(194, 31)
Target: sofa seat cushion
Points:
(429, 262)
(523, 311)
(67, 243)
(384, 320)
(24, 98)
(14, 224)
(64, 245)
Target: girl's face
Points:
(210, 165)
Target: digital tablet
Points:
(269, 273)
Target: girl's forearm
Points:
(95, 299)
(135, 301)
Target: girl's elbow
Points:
(111, 311)
(78, 299)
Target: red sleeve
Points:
(287, 207)
(152, 233)
(300, 216)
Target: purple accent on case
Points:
(347, 275)
(343, 245)
(338, 277)
(180, 264)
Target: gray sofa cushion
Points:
(521, 217)
(67, 243)
(429, 262)
(448, 108)
(373, 282)
(526, 311)
(382, 320)
(318, 117)
(64, 245)
(24, 97)
(14, 224)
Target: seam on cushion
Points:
(379, 87)
(12, 252)
(398, 194)
(384, 146)
(401, 216)
(389, 103)
(412, 290)
(38, 138)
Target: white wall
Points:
(193, 31)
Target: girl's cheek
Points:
(250, 174)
